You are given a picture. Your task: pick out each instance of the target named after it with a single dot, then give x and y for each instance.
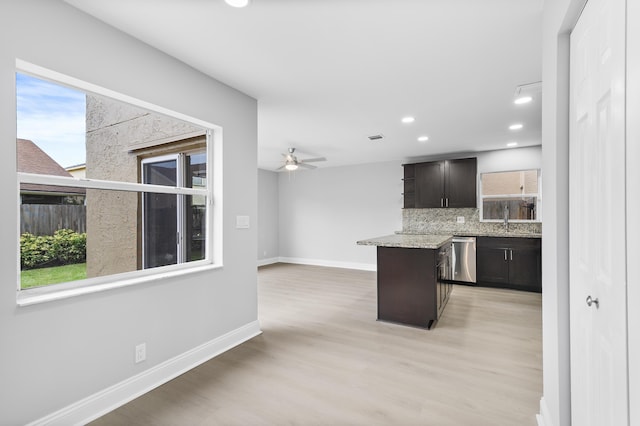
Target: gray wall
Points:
(510, 159)
(56, 353)
(323, 212)
(268, 239)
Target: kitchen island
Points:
(411, 277)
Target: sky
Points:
(53, 117)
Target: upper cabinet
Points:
(446, 183)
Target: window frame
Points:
(537, 195)
(181, 204)
(212, 193)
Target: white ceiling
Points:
(329, 73)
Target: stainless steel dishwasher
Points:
(463, 260)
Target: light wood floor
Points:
(323, 359)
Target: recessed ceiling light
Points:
(237, 3)
(408, 119)
(512, 144)
(423, 138)
(515, 126)
(523, 100)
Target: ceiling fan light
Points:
(523, 100)
(291, 167)
(237, 3)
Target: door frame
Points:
(632, 177)
(559, 19)
(597, 220)
(633, 206)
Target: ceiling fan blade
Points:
(281, 167)
(311, 160)
(308, 166)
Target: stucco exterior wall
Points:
(113, 217)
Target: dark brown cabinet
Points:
(447, 183)
(510, 262)
(409, 291)
(430, 185)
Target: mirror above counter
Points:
(515, 195)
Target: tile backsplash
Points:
(444, 220)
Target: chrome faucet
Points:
(506, 217)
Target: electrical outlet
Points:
(141, 352)
(460, 219)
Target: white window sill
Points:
(55, 292)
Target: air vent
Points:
(375, 137)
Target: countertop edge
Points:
(481, 234)
(420, 241)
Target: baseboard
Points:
(329, 263)
(100, 403)
(544, 418)
(270, 261)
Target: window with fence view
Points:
(107, 189)
(514, 195)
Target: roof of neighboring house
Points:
(31, 159)
(76, 167)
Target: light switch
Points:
(242, 222)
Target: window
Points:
(514, 194)
(142, 205)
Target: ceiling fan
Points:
(291, 162)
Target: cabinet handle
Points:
(510, 254)
(505, 255)
(447, 203)
(441, 202)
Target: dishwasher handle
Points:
(464, 239)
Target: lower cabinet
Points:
(510, 262)
(409, 291)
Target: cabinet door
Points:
(429, 184)
(525, 269)
(460, 182)
(492, 265)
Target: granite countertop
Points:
(513, 234)
(501, 234)
(426, 241)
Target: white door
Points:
(597, 217)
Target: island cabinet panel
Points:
(441, 184)
(408, 290)
(510, 262)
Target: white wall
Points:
(323, 212)
(57, 353)
(268, 203)
(559, 17)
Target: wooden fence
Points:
(45, 219)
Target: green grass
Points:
(57, 274)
